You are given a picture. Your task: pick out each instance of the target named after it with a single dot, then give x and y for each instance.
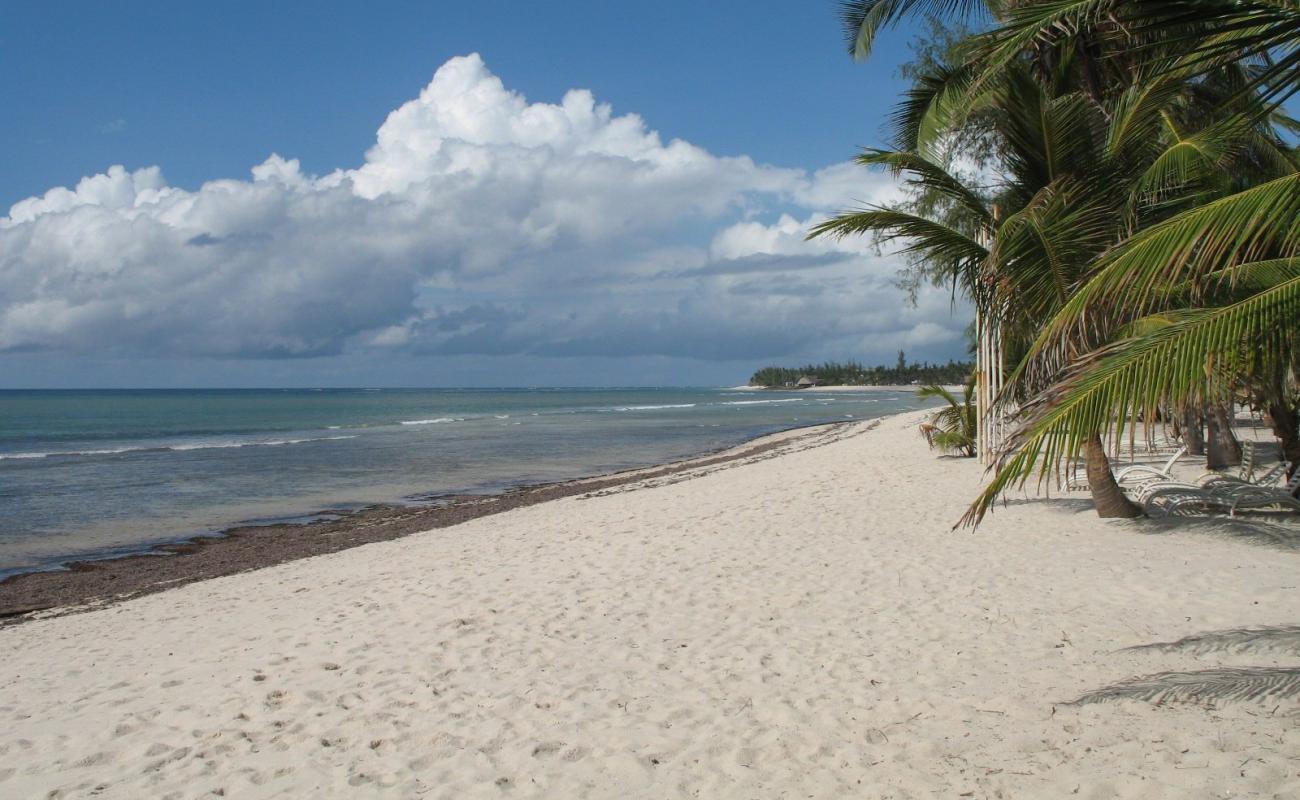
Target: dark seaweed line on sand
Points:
(87, 584)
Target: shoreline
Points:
(85, 583)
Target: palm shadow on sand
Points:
(1275, 530)
(1283, 533)
(1217, 685)
(1075, 505)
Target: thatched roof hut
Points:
(806, 381)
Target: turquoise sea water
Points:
(98, 473)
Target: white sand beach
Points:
(803, 624)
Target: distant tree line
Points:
(851, 373)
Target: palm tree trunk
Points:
(1193, 432)
(1285, 423)
(1106, 494)
(1224, 450)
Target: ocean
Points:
(94, 474)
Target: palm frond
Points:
(1042, 250)
(953, 442)
(933, 106)
(862, 20)
(1254, 275)
(1138, 116)
(926, 174)
(1275, 158)
(953, 417)
(1189, 157)
(934, 390)
(953, 252)
(1210, 32)
(1048, 136)
(1131, 280)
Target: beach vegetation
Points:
(1130, 219)
(952, 428)
(852, 373)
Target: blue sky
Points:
(498, 266)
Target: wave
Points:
(760, 402)
(653, 408)
(112, 451)
(172, 447)
(271, 443)
(436, 421)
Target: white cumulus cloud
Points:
(478, 223)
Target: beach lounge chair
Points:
(1143, 491)
(1221, 482)
(1076, 478)
(1137, 472)
(1220, 496)
(1268, 479)
(1274, 500)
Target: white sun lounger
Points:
(1144, 471)
(1224, 496)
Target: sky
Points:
(441, 194)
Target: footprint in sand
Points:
(575, 754)
(94, 759)
(349, 701)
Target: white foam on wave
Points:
(761, 402)
(653, 408)
(172, 447)
(437, 421)
(112, 451)
(269, 443)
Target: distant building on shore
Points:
(807, 381)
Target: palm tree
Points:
(1098, 144)
(1202, 303)
(951, 429)
(1216, 295)
(1019, 249)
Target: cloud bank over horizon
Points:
(478, 224)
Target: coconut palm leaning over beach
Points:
(1202, 305)
(1121, 240)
